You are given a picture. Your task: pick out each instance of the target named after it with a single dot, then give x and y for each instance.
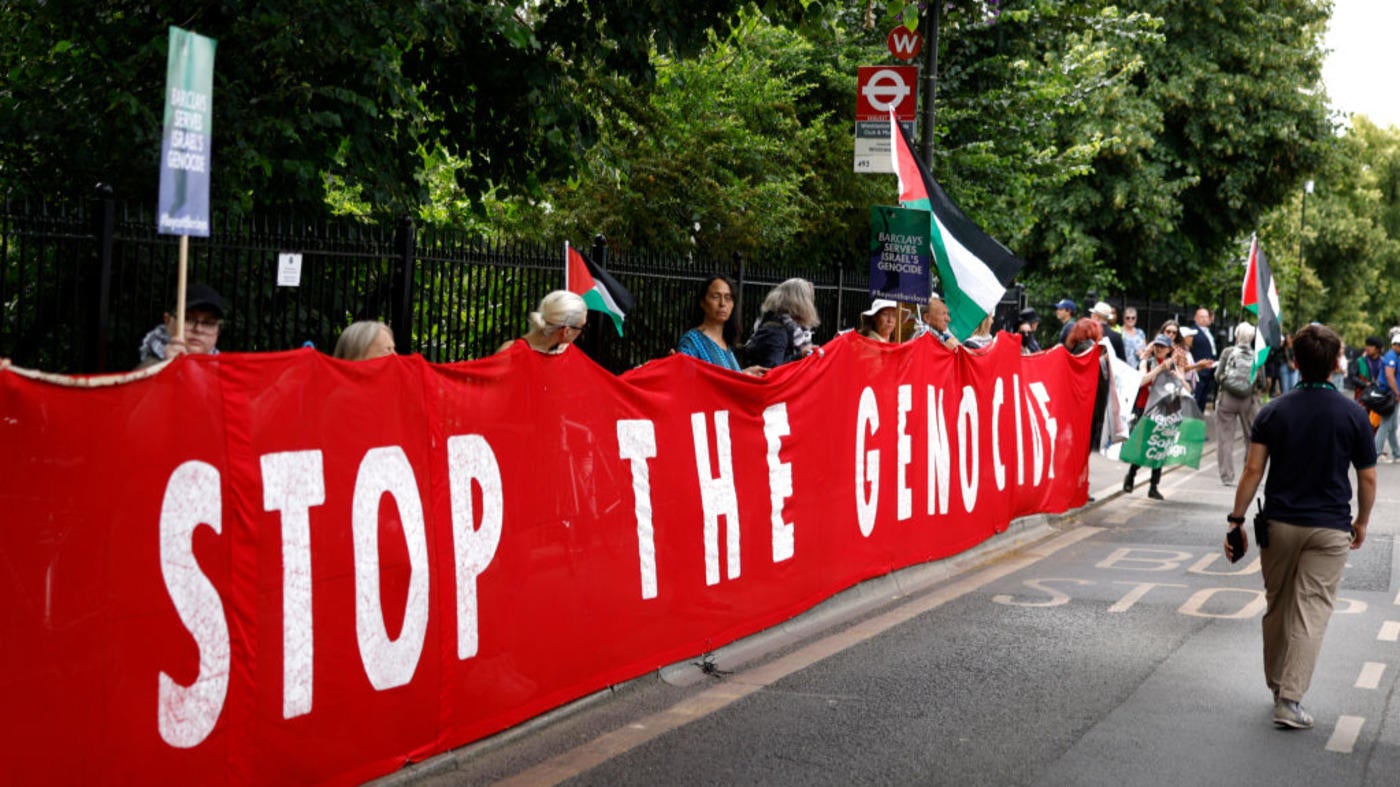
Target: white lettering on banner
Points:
(187, 714)
(189, 99)
(388, 662)
(294, 481)
(867, 462)
(940, 472)
(998, 467)
(636, 443)
(969, 466)
(1020, 444)
(190, 121)
(1041, 397)
(470, 459)
(1037, 446)
(775, 428)
(904, 455)
(717, 494)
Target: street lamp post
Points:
(1302, 230)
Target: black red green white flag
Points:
(598, 289)
(973, 268)
(1258, 295)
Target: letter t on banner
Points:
(185, 149)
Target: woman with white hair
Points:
(1236, 400)
(364, 340)
(555, 325)
(783, 332)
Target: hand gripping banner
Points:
(284, 568)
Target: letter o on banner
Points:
(388, 663)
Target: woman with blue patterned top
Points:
(714, 338)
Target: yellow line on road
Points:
(619, 741)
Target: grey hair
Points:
(355, 340)
(797, 299)
(556, 310)
(1244, 334)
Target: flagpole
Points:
(931, 13)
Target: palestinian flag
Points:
(599, 290)
(1259, 280)
(974, 268)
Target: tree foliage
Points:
(360, 92)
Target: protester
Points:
(364, 340)
(1083, 336)
(1203, 349)
(1064, 312)
(1306, 440)
(1236, 401)
(204, 314)
(555, 325)
(783, 332)
(1103, 313)
(1385, 432)
(936, 319)
(981, 335)
(1160, 378)
(1027, 323)
(1288, 368)
(1134, 339)
(715, 336)
(879, 321)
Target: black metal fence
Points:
(82, 282)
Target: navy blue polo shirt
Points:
(1313, 435)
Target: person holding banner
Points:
(364, 340)
(784, 331)
(555, 325)
(714, 338)
(879, 321)
(936, 319)
(204, 316)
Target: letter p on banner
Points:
(185, 149)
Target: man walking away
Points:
(1306, 440)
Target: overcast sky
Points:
(1363, 68)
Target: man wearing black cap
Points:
(1026, 324)
(204, 315)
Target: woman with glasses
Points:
(555, 325)
(1161, 377)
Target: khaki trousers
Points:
(1302, 569)
(1231, 410)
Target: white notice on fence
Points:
(288, 269)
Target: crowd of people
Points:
(1177, 359)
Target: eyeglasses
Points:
(208, 325)
(1129, 317)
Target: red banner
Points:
(284, 568)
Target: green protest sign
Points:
(186, 149)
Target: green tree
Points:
(357, 94)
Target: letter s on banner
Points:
(187, 714)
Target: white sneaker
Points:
(1289, 714)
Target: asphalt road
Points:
(1112, 646)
